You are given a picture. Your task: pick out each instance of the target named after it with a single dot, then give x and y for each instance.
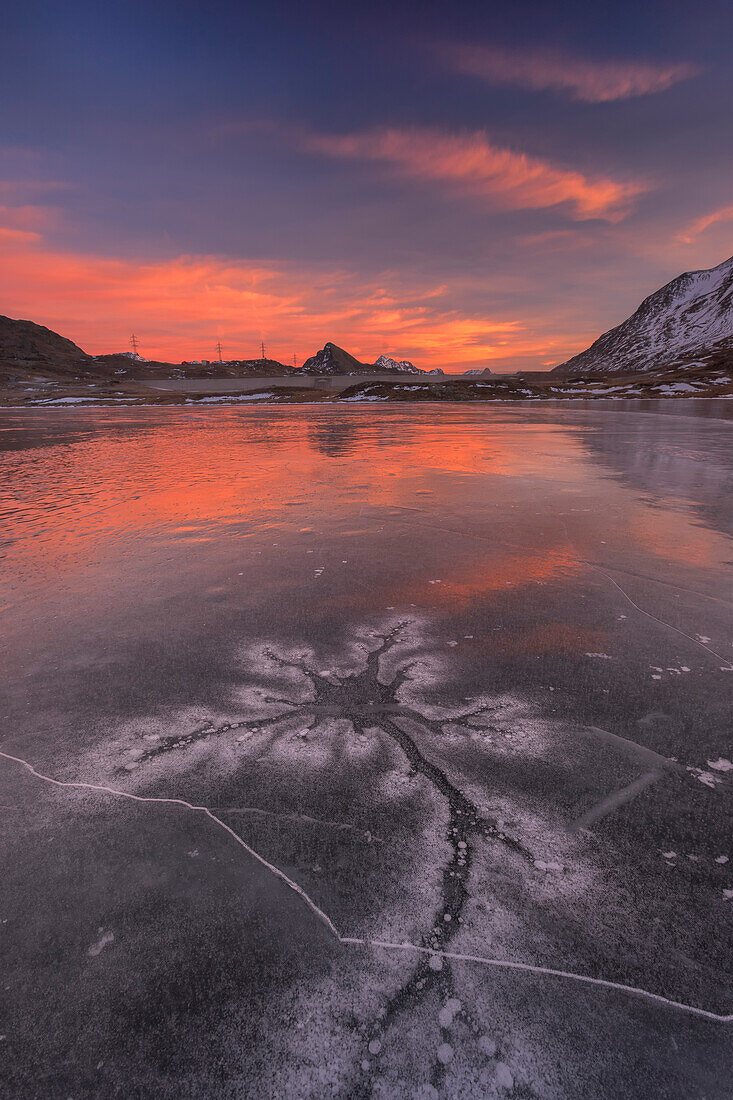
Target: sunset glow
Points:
(461, 195)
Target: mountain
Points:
(688, 320)
(332, 359)
(26, 346)
(404, 366)
(484, 373)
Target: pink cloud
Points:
(471, 164)
(540, 70)
(16, 236)
(724, 214)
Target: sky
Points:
(461, 184)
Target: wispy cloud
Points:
(693, 231)
(471, 164)
(594, 81)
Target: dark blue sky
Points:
(460, 183)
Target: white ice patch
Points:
(542, 866)
(487, 1045)
(504, 1076)
(720, 765)
(449, 1011)
(444, 1054)
(104, 940)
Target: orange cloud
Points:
(181, 306)
(540, 70)
(725, 214)
(471, 164)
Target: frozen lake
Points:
(453, 679)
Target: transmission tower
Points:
(262, 349)
(295, 363)
(218, 348)
(133, 341)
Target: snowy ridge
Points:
(689, 318)
(332, 359)
(384, 362)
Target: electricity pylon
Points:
(133, 341)
(218, 348)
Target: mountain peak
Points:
(385, 362)
(689, 318)
(332, 359)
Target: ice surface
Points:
(180, 631)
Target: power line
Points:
(262, 349)
(218, 348)
(133, 341)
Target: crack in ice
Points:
(354, 941)
(101, 789)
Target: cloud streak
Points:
(580, 78)
(470, 164)
(693, 231)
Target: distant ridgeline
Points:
(685, 326)
(30, 350)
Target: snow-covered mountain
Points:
(688, 320)
(404, 365)
(484, 372)
(332, 359)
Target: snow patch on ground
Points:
(720, 765)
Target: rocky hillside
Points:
(687, 323)
(26, 347)
(31, 353)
